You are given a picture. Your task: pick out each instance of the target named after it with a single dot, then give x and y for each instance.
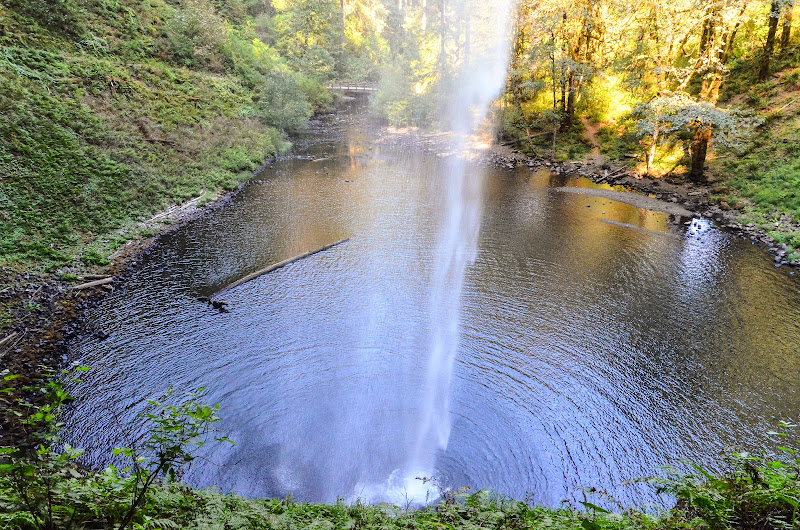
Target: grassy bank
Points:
(114, 110)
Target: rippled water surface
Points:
(597, 340)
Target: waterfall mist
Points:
(479, 76)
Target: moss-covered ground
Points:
(107, 119)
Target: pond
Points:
(596, 340)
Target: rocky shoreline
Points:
(692, 197)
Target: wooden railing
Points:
(353, 86)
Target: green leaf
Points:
(594, 507)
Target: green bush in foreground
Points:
(43, 487)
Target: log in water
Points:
(278, 265)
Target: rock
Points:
(724, 206)
(220, 305)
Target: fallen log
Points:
(95, 283)
(278, 265)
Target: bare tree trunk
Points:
(555, 97)
(699, 151)
(424, 16)
(774, 15)
(706, 42)
(787, 27)
(518, 102)
(723, 56)
(651, 155)
(570, 115)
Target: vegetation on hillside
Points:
(703, 91)
(43, 486)
(114, 109)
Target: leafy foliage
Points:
(43, 486)
(681, 116)
(279, 105)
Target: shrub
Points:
(43, 487)
(283, 104)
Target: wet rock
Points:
(220, 305)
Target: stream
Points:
(596, 340)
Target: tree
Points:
(775, 14)
(787, 26)
(696, 123)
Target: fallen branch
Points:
(95, 276)
(95, 283)
(278, 265)
(8, 338)
(617, 172)
(780, 109)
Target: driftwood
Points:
(616, 172)
(278, 265)
(96, 283)
(8, 338)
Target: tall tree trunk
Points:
(555, 98)
(570, 115)
(774, 15)
(518, 103)
(424, 16)
(723, 56)
(651, 155)
(344, 21)
(787, 27)
(699, 151)
(706, 42)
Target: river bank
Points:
(43, 312)
(696, 198)
(679, 198)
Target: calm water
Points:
(597, 340)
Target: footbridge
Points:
(353, 86)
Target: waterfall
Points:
(479, 78)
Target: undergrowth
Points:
(43, 486)
(115, 109)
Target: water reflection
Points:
(598, 340)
